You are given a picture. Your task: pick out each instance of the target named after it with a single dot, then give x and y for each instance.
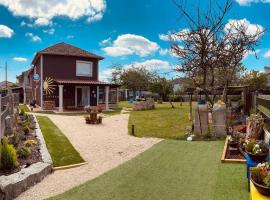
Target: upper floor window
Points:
(84, 68)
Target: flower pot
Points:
(261, 188)
(258, 157)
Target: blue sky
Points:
(124, 32)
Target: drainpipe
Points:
(41, 82)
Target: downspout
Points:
(41, 82)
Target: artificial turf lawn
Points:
(162, 122)
(171, 170)
(24, 107)
(59, 147)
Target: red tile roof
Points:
(66, 50)
(83, 82)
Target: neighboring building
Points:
(66, 77)
(7, 84)
(25, 82)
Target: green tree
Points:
(136, 78)
(256, 80)
(163, 87)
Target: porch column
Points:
(60, 98)
(97, 94)
(107, 90)
(126, 94)
(24, 94)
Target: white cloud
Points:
(250, 28)
(41, 10)
(42, 22)
(248, 2)
(20, 59)
(153, 64)
(95, 18)
(251, 53)
(105, 42)
(6, 32)
(175, 36)
(50, 31)
(105, 75)
(164, 52)
(33, 37)
(23, 23)
(266, 54)
(129, 44)
(70, 37)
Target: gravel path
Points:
(103, 146)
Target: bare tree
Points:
(210, 50)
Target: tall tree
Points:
(210, 51)
(163, 87)
(256, 80)
(133, 78)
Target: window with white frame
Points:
(84, 68)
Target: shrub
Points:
(29, 143)
(249, 146)
(22, 113)
(24, 152)
(32, 126)
(15, 138)
(8, 155)
(26, 129)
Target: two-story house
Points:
(65, 77)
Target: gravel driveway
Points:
(103, 146)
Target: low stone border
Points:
(13, 185)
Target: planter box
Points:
(13, 185)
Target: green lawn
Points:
(162, 122)
(171, 170)
(124, 104)
(24, 107)
(60, 149)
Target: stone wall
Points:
(13, 185)
(144, 105)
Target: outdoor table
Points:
(255, 195)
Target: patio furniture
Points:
(93, 118)
(255, 195)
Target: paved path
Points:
(103, 146)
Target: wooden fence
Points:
(7, 105)
(263, 106)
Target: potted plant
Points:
(99, 120)
(257, 150)
(87, 109)
(233, 141)
(260, 177)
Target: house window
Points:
(84, 68)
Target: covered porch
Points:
(74, 95)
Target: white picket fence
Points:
(7, 105)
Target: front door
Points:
(83, 96)
(93, 96)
